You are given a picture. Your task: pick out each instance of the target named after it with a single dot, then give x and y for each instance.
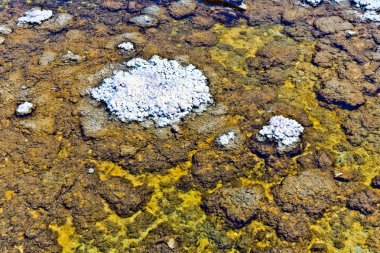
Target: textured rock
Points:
(237, 205)
(202, 38)
(365, 201)
(113, 5)
(311, 192)
(293, 229)
(144, 21)
(70, 57)
(157, 89)
(182, 8)
(47, 57)
(273, 62)
(342, 93)
(210, 167)
(5, 29)
(58, 23)
(123, 197)
(328, 25)
(375, 182)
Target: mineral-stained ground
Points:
(74, 179)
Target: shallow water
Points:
(75, 179)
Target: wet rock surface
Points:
(75, 179)
(273, 60)
(123, 197)
(312, 192)
(236, 205)
(293, 229)
(223, 168)
(341, 93)
(365, 202)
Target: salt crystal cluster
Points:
(285, 132)
(34, 16)
(372, 8)
(373, 5)
(226, 139)
(158, 89)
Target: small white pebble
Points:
(171, 243)
(5, 29)
(25, 108)
(91, 171)
(126, 46)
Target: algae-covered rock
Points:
(293, 229)
(273, 62)
(375, 182)
(210, 167)
(312, 192)
(237, 205)
(342, 93)
(144, 21)
(123, 197)
(182, 8)
(365, 201)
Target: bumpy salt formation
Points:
(312, 2)
(34, 16)
(285, 132)
(373, 5)
(158, 89)
(226, 139)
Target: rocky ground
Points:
(74, 179)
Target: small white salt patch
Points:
(24, 108)
(34, 16)
(126, 46)
(285, 132)
(226, 139)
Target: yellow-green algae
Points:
(241, 37)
